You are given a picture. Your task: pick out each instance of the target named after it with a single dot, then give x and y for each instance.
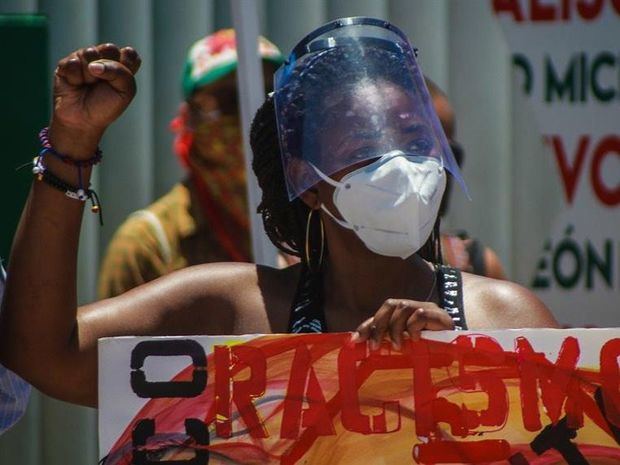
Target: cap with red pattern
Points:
(215, 56)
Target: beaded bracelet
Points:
(47, 148)
(79, 164)
(77, 193)
(80, 192)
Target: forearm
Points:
(40, 336)
(38, 324)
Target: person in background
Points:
(14, 391)
(203, 218)
(458, 248)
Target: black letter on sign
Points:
(171, 347)
(145, 429)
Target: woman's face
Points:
(373, 119)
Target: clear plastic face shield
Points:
(349, 93)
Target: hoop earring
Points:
(308, 248)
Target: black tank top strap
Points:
(450, 290)
(307, 314)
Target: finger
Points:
(131, 59)
(364, 331)
(87, 55)
(69, 69)
(398, 325)
(433, 318)
(117, 75)
(382, 322)
(109, 52)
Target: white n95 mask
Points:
(392, 203)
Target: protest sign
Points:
(512, 397)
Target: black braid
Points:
(431, 250)
(284, 221)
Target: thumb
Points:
(115, 73)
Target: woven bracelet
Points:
(77, 193)
(47, 148)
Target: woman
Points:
(344, 285)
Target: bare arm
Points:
(42, 337)
(39, 337)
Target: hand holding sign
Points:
(402, 318)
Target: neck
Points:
(358, 281)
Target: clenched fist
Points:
(92, 87)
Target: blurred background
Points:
(462, 48)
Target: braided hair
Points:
(284, 220)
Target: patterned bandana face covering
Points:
(216, 166)
(212, 149)
(212, 153)
(216, 157)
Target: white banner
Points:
(518, 397)
(566, 57)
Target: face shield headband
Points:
(350, 92)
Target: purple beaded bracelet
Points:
(75, 192)
(47, 148)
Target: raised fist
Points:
(93, 86)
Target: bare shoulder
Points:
(217, 298)
(257, 297)
(496, 304)
(492, 265)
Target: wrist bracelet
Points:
(80, 192)
(42, 174)
(47, 148)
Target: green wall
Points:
(24, 40)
